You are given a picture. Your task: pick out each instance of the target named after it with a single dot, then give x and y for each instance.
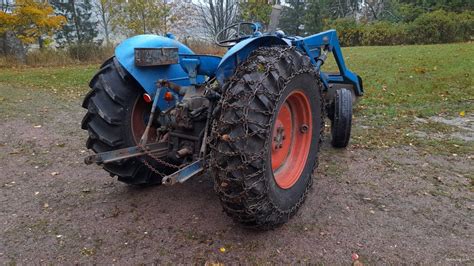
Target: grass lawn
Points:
(401, 191)
(402, 84)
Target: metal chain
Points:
(163, 162)
(238, 102)
(158, 160)
(153, 169)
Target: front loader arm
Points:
(313, 46)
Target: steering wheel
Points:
(233, 34)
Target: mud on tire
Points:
(109, 106)
(240, 157)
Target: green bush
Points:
(348, 30)
(465, 23)
(435, 27)
(384, 33)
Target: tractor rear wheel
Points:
(115, 119)
(265, 143)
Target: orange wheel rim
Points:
(291, 139)
(140, 113)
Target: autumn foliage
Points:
(30, 21)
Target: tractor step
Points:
(158, 149)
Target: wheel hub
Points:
(291, 139)
(279, 137)
(139, 119)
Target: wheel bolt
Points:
(304, 128)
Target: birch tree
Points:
(217, 14)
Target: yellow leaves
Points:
(462, 113)
(30, 20)
(420, 70)
(6, 21)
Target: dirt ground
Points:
(392, 205)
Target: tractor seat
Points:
(198, 64)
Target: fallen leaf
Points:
(222, 249)
(420, 70)
(462, 113)
(87, 251)
(355, 256)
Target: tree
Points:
(184, 26)
(255, 11)
(447, 5)
(106, 12)
(217, 14)
(30, 21)
(313, 22)
(146, 16)
(339, 8)
(7, 6)
(292, 17)
(81, 27)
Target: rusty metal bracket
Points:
(184, 173)
(159, 149)
(156, 56)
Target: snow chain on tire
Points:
(239, 139)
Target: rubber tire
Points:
(342, 118)
(109, 106)
(241, 165)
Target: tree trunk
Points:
(41, 42)
(76, 22)
(12, 47)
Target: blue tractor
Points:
(157, 113)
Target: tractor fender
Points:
(239, 52)
(147, 76)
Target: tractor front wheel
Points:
(267, 138)
(341, 121)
